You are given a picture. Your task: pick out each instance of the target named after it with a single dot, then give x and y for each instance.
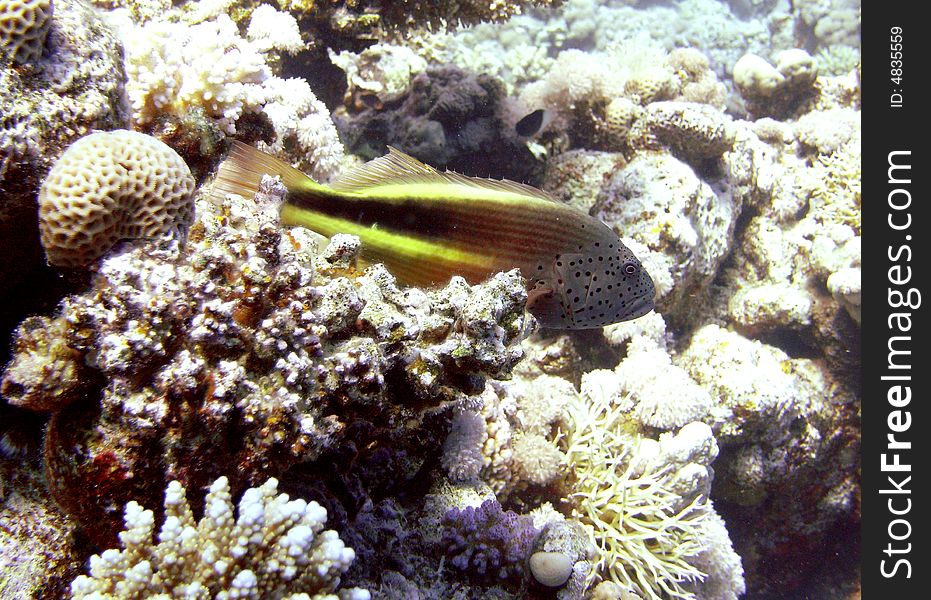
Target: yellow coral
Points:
(644, 538)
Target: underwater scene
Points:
(416, 300)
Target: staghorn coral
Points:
(268, 350)
(110, 186)
(24, 26)
(271, 547)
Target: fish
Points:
(532, 123)
(426, 226)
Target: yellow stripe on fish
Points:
(403, 251)
(426, 226)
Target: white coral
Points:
(664, 396)
(270, 29)
(174, 67)
(274, 546)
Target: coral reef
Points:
(110, 186)
(24, 25)
(270, 547)
(272, 352)
(788, 437)
(706, 451)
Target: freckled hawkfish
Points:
(426, 226)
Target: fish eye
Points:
(630, 268)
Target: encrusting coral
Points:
(271, 546)
(110, 186)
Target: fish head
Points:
(599, 284)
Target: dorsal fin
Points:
(397, 168)
(242, 171)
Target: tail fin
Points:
(242, 171)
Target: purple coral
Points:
(488, 542)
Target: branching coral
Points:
(488, 542)
(272, 547)
(176, 68)
(644, 503)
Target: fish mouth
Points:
(640, 308)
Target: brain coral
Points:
(24, 25)
(76, 88)
(110, 186)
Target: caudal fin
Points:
(242, 171)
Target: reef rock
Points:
(248, 352)
(688, 225)
(448, 119)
